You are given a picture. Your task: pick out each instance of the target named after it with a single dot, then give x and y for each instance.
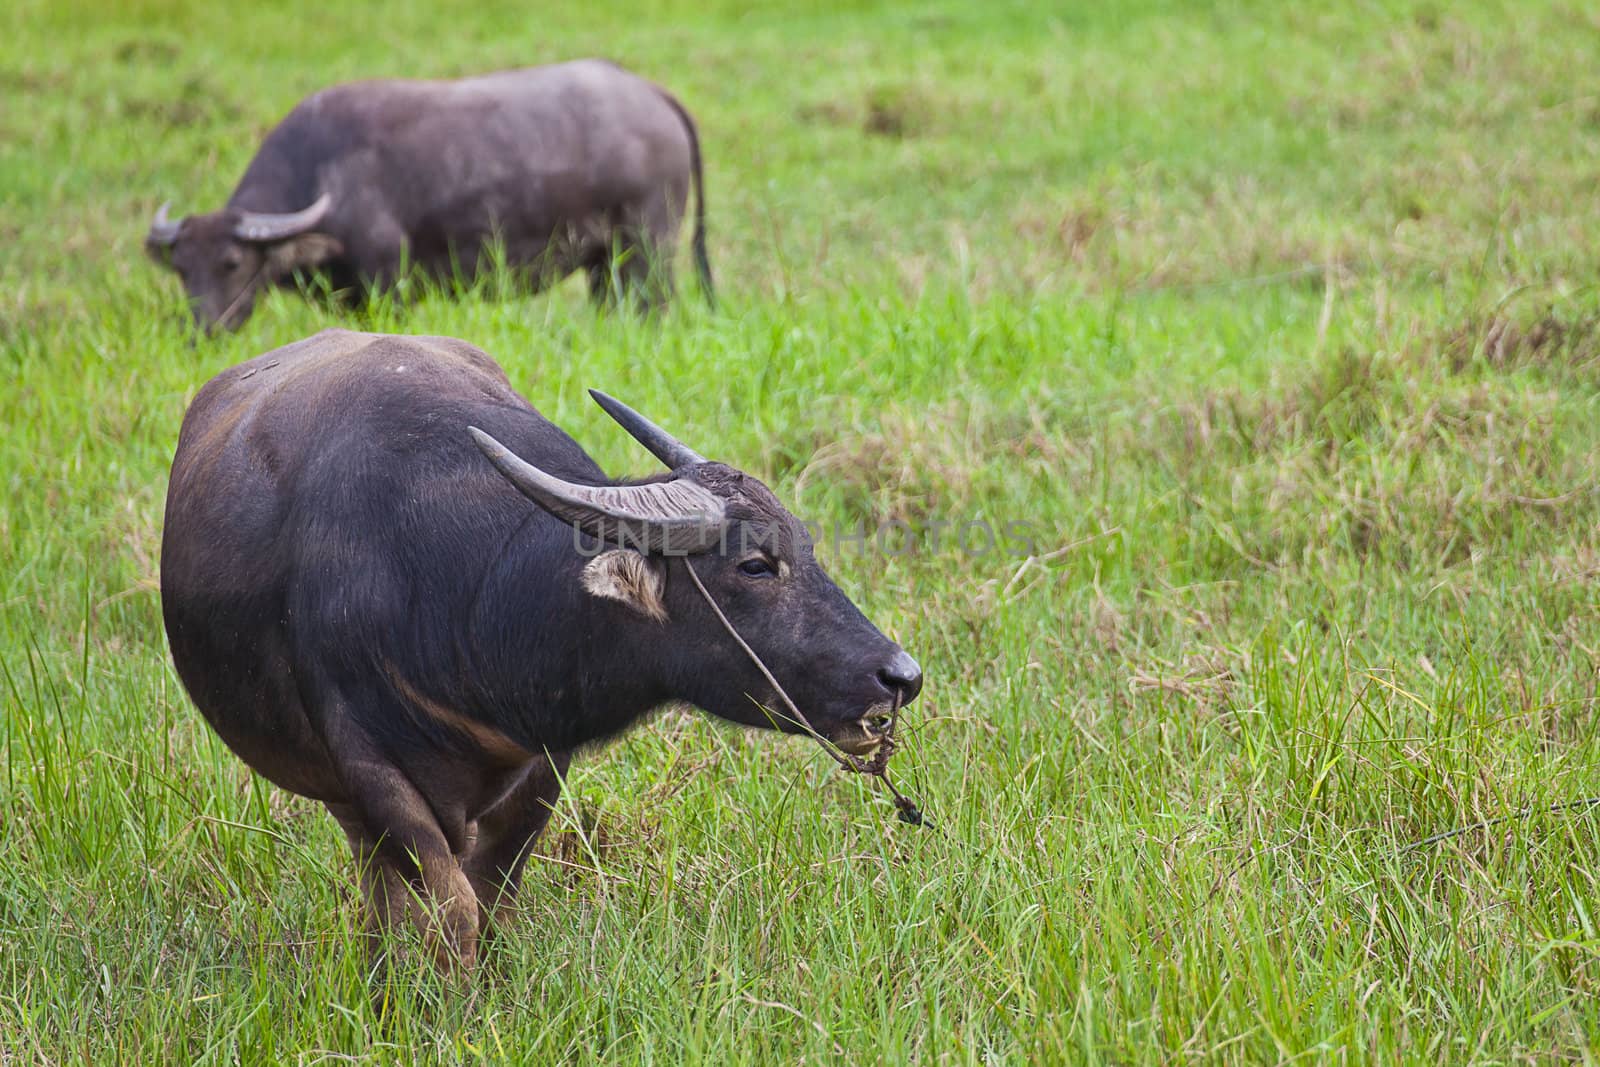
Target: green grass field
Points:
(1277, 323)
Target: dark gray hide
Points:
(577, 166)
(373, 615)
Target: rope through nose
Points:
(877, 766)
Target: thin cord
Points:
(877, 767)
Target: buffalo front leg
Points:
(384, 891)
(408, 868)
(507, 831)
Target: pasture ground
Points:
(1276, 322)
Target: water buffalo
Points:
(393, 586)
(577, 166)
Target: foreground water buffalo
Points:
(578, 166)
(377, 604)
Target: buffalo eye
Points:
(231, 259)
(758, 567)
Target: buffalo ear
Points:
(625, 575)
(301, 252)
(160, 252)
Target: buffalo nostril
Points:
(902, 675)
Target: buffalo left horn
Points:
(163, 231)
(260, 226)
(678, 516)
(665, 447)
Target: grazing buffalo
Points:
(393, 586)
(577, 166)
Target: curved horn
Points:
(662, 445)
(259, 226)
(163, 231)
(679, 516)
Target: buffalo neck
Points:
(557, 666)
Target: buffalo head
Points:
(227, 257)
(755, 560)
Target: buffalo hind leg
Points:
(652, 231)
(506, 833)
(644, 271)
(648, 284)
(636, 266)
(601, 292)
(632, 274)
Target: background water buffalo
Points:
(577, 166)
(371, 614)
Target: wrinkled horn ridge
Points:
(261, 226)
(678, 516)
(665, 447)
(163, 231)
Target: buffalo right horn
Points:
(163, 231)
(665, 447)
(678, 516)
(264, 227)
